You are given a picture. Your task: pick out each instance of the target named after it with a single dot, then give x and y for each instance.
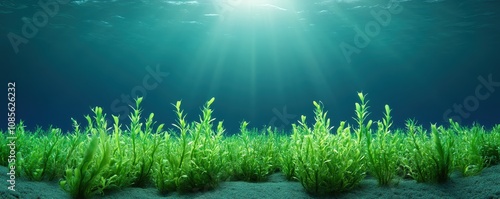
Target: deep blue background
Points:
(255, 62)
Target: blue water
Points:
(264, 61)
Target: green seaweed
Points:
(431, 159)
(383, 151)
(86, 178)
(195, 161)
(195, 156)
(44, 160)
(326, 163)
(252, 155)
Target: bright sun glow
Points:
(257, 46)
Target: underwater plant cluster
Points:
(197, 156)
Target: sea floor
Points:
(484, 185)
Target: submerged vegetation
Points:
(196, 156)
(326, 163)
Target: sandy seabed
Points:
(484, 185)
